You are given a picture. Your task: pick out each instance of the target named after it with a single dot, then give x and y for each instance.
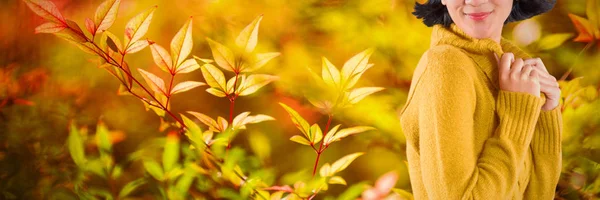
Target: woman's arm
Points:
(547, 158)
(451, 169)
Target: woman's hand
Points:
(515, 76)
(548, 83)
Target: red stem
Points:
(320, 151)
(232, 99)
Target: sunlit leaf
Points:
(259, 61)
(360, 93)
(138, 26)
(343, 162)
(185, 86)
(216, 92)
(131, 186)
(154, 169)
(204, 60)
(325, 170)
(161, 57)
(187, 66)
(49, 27)
(106, 13)
(347, 132)
(553, 41)
(315, 133)
(248, 38)
(222, 124)
(210, 122)
(232, 82)
(244, 118)
(90, 26)
(70, 35)
(584, 28)
(136, 46)
(191, 127)
(214, 77)
(403, 193)
(254, 82)
(337, 180)
(75, 143)
(171, 152)
(102, 138)
(593, 14)
(330, 74)
(297, 120)
(223, 56)
(109, 40)
(155, 82)
(46, 9)
(301, 140)
(181, 45)
(330, 134)
(355, 66)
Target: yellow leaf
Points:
(155, 82)
(349, 131)
(360, 93)
(255, 82)
(216, 92)
(222, 124)
(161, 57)
(300, 140)
(330, 134)
(356, 66)
(297, 119)
(185, 86)
(138, 26)
(181, 45)
(112, 41)
(214, 77)
(136, 46)
(248, 38)
(222, 55)
(187, 66)
(49, 27)
(211, 123)
(337, 180)
(325, 170)
(315, 134)
(259, 61)
(553, 41)
(330, 74)
(106, 13)
(343, 162)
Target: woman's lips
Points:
(479, 16)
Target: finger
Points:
(537, 62)
(504, 65)
(525, 73)
(534, 76)
(516, 67)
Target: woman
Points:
(475, 123)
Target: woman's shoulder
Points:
(447, 59)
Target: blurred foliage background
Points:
(46, 85)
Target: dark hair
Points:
(434, 12)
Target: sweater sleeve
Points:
(547, 158)
(450, 167)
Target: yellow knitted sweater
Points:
(466, 138)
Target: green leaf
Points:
(75, 144)
(223, 56)
(553, 41)
(185, 86)
(316, 133)
(353, 192)
(248, 38)
(337, 180)
(297, 120)
(95, 166)
(106, 13)
(210, 122)
(259, 61)
(155, 82)
(191, 126)
(330, 74)
(214, 77)
(360, 93)
(403, 193)
(131, 186)
(347, 132)
(161, 57)
(181, 45)
(138, 26)
(154, 169)
(343, 162)
(49, 27)
(136, 46)
(102, 138)
(46, 9)
(255, 82)
(187, 66)
(355, 66)
(171, 153)
(301, 140)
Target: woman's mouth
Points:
(478, 16)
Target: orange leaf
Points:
(106, 14)
(90, 26)
(49, 27)
(584, 28)
(46, 9)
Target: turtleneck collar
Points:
(480, 50)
